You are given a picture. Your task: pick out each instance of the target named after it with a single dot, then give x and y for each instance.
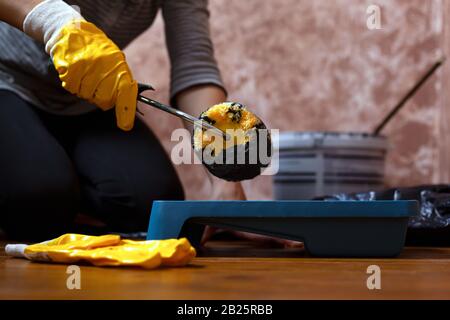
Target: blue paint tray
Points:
(328, 228)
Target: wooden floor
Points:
(239, 271)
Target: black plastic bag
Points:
(431, 226)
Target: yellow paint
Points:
(238, 130)
(111, 250)
(92, 67)
(220, 114)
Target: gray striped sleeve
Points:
(189, 44)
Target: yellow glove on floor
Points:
(109, 250)
(89, 64)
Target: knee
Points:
(168, 186)
(41, 204)
(124, 202)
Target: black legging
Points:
(53, 167)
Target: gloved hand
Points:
(89, 64)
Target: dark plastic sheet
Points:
(431, 226)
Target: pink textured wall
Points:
(314, 65)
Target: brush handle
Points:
(178, 113)
(408, 96)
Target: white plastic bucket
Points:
(313, 164)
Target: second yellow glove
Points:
(108, 250)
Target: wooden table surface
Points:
(239, 271)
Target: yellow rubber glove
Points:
(92, 67)
(89, 64)
(108, 250)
